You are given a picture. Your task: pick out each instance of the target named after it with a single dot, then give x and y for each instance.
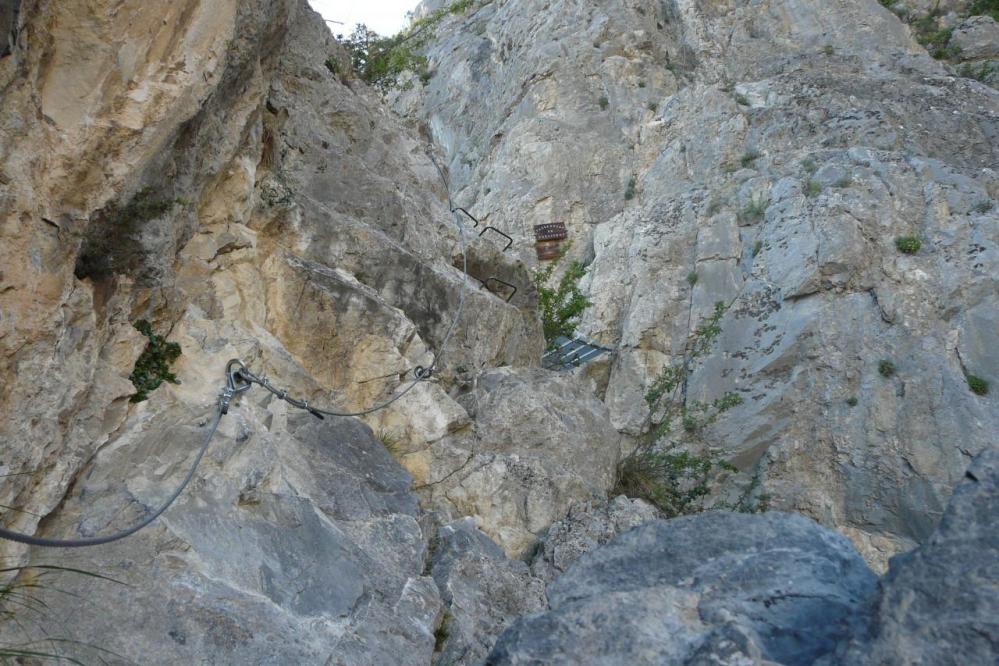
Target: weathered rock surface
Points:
(776, 149)
(298, 544)
(666, 591)
(724, 588)
(205, 170)
(977, 38)
(208, 166)
(585, 528)
(940, 603)
(484, 592)
(540, 443)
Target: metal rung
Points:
(509, 240)
(571, 353)
(485, 283)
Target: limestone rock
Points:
(584, 529)
(938, 604)
(977, 38)
(482, 590)
(298, 542)
(775, 586)
(776, 150)
(540, 444)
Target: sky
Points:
(386, 17)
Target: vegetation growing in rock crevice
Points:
(381, 60)
(908, 244)
(977, 385)
(928, 31)
(153, 366)
(674, 480)
(20, 599)
(114, 245)
(561, 303)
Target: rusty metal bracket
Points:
(509, 240)
(475, 222)
(485, 283)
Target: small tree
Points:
(677, 481)
(561, 304)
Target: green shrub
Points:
(828, 49)
(978, 72)
(754, 210)
(629, 191)
(741, 99)
(908, 244)
(844, 181)
(935, 39)
(982, 207)
(852, 401)
(886, 368)
(986, 8)
(813, 188)
(380, 60)
(692, 278)
(678, 481)
(757, 246)
(748, 158)
(809, 165)
(641, 84)
(675, 483)
(153, 366)
(652, 106)
(977, 385)
(562, 304)
(603, 102)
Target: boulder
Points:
(769, 586)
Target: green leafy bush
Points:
(977, 385)
(677, 481)
(886, 368)
(986, 8)
(813, 188)
(692, 278)
(380, 60)
(561, 304)
(603, 102)
(153, 366)
(908, 244)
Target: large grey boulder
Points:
(977, 38)
(939, 604)
(771, 586)
(482, 590)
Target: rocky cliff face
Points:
(774, 151)
(214, 169)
